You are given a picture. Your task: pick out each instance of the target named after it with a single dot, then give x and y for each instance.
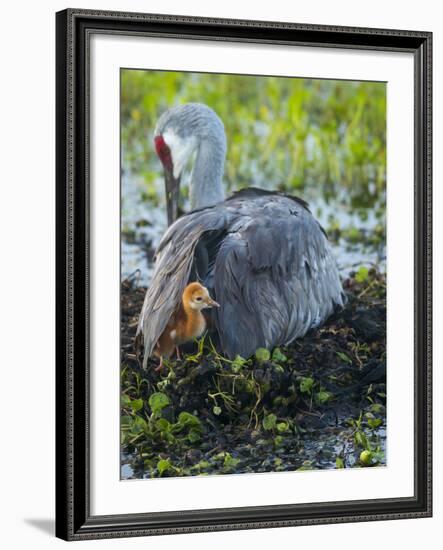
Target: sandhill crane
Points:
(261, 254)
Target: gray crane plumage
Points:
(264, 258)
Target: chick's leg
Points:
(160, 365)
(177, 351)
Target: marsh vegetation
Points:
(319, 403)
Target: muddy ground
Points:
(319, 403)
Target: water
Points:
(143, 225)
(319, 450)
(142, 228)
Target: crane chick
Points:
(187, 323)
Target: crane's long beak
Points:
(172, 189)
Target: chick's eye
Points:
(199, 299)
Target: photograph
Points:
(253, 273)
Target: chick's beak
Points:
(212, 303)
(172, 189)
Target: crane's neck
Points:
(207, 176)
(195, 322)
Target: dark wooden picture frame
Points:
(74, 520)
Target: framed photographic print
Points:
(243, 274)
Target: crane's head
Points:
(196, 296)
(179, 133)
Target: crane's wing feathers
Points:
(253, 192)
(174, 263)
(275, 277)
(265, 258)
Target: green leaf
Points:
(126, 421)
(344, 357)
(282, 427)
(322, 397)
(362, 274)
(230, 462)
(360, 439)
(136, 404)
(238, 363)
(306, 384)
(194, 436)
(139, 425)
(124, 436)
(188, 419)
(366, 457)
(278, 368)
(377, 456)
(163, 465)
(163, 425)
(278, 356)
(163, 384)
(125, 400)
(158, 401)
(374, 423)
(269, 421)
(339, 463)
(377, 408)
(262, 355)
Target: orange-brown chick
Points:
(187, 323)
